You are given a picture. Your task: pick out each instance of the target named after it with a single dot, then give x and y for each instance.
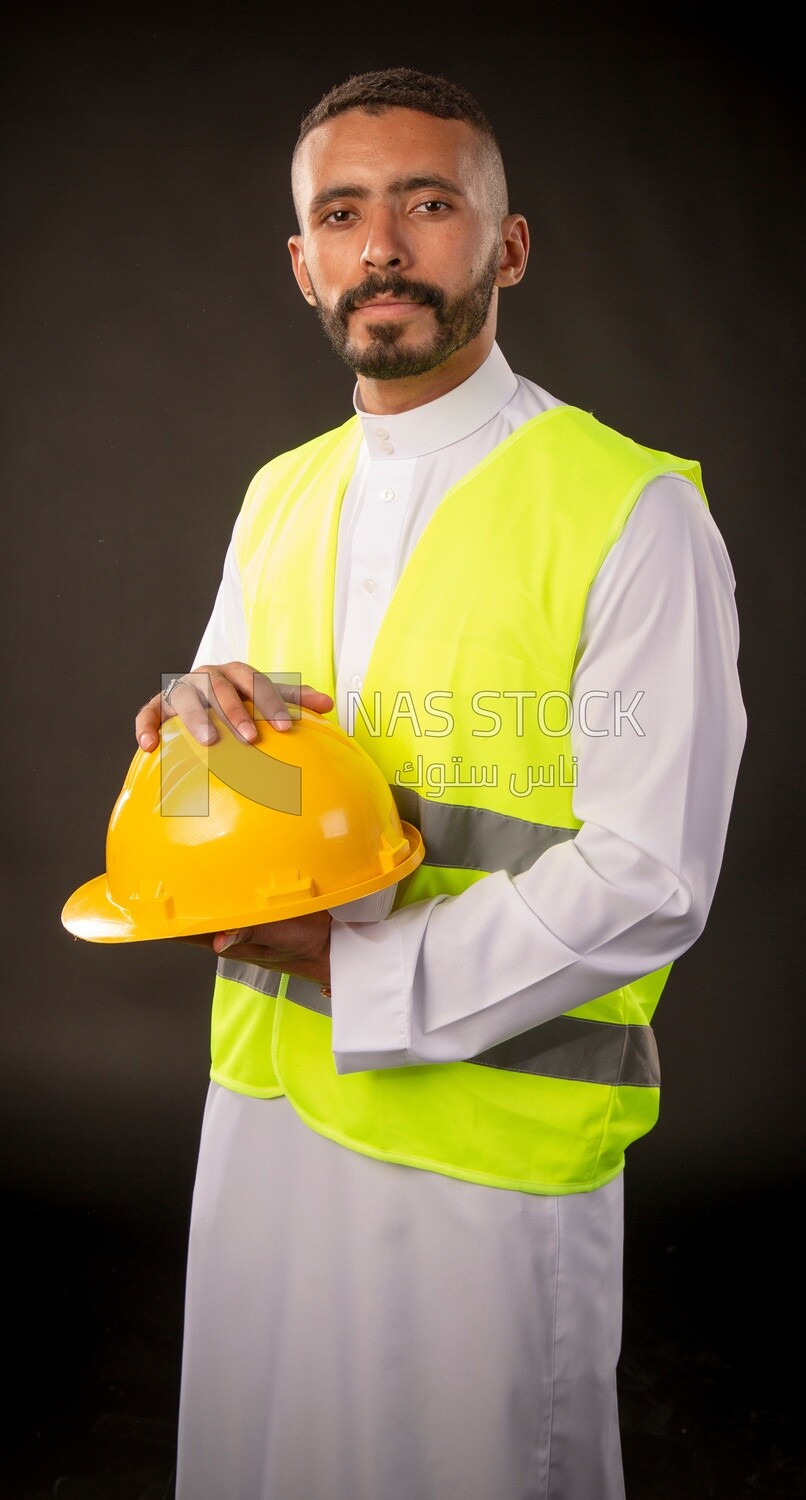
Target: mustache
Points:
(390, 286)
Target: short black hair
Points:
(398, 88)
(409, 88)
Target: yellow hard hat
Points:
(206, 838)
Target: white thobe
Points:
(359, 1329)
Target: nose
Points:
(386, 246)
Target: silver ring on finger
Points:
(166, 692)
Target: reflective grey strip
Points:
(473, 838)
(267, 982)
(568, 1047)
(580, 1049)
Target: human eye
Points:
(431, 206)
(338, 216)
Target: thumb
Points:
(224, 940)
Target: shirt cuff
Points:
(370, 994)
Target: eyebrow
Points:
(401, 185)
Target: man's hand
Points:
(224, 688)
(298, 945)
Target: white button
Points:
(382, 432)
(369, 585)
(356, 680)
(386, 447)
(387, 494)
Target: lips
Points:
(387, 297)
(381, 302)
(391, 312)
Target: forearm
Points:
(445, 979)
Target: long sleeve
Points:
(659, 728)
(224, 638)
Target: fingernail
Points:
(230, 939)
(205, 734)
(246, 729)
(147, 739)
(281, 723)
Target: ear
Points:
(300, 269)
(514, 250)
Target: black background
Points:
(156, 353)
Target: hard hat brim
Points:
(91, 914)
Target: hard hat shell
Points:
(205, 838)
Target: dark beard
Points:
(386, 358)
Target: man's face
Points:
(400, 244)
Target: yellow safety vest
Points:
(466, 708)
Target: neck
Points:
(385, 398)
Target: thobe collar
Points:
(437, 424)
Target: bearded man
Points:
(405, 1268)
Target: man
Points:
(404, 1276)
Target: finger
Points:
(311, 697)
(225, 689)
(229, 685)
(190, 696)
(147, 723)
(271, 701)
(306, 696)
(224, 940)
(292, 937)
(220, 688)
